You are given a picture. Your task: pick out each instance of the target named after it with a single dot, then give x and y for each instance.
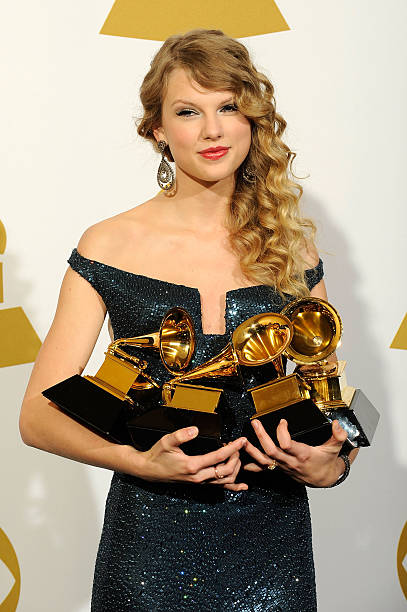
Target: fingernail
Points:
(192, 431)
(255, 424)
(337, 426)
(283, 421)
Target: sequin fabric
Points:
(198, 547)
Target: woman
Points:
(202, 532)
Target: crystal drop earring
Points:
(165, 174)
(248, 175)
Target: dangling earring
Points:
(248, 175)
(165, 174)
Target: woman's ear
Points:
(159, 134)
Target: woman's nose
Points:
(212, 127)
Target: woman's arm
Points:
(66, 350)
(79, 317)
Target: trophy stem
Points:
(278, 364)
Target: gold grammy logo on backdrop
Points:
(400, 339)
(402, 560)
(9, 558)
(19, 342)
(400, 342)
(158, 20)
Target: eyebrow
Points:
(188, 102)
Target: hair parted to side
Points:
(266, 229)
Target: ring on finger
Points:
(217, 475)
(272, 465)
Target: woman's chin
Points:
(208, 178)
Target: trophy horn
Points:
(262, 339)
(175, 340)
(317, 330)
(257, 341)
(226, 363)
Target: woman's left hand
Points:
(319, 466)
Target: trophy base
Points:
(361, 412)
(306, 424)
(147, 429)
(91, 406)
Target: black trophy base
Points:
(364, 416)
(306, 423)
(147, 429)
(92, 407)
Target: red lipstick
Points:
(214, 152)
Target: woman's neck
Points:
(199, 204)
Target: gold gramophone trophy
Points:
(284, 397)
(102, 402)
(186, 403)
(317, 330)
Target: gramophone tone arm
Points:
(114, 350)
(151, 340)
(149, 379)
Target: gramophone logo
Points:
(402, 560)
(158, 20)
(400, 342)
(10, 573)
(400, 339)
(19, 342)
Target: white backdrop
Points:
(70, 156)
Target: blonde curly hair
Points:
(266, 229)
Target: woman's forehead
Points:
(181, 85)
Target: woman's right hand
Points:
(166, 462)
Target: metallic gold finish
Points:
(279, 393)
(116, 376)
(317, 330)
(272, 465)
(225, 364)
(324, 380)
(259, 340)
(309, 329)
(175, 340)
(191, 397)
(262, 339)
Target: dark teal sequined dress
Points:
(199, 547)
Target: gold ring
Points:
(217, 475)
(272, 465)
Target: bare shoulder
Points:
(106, 238)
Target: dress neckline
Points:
(197, 292)
(158, 280)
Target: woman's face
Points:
(194, 120)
